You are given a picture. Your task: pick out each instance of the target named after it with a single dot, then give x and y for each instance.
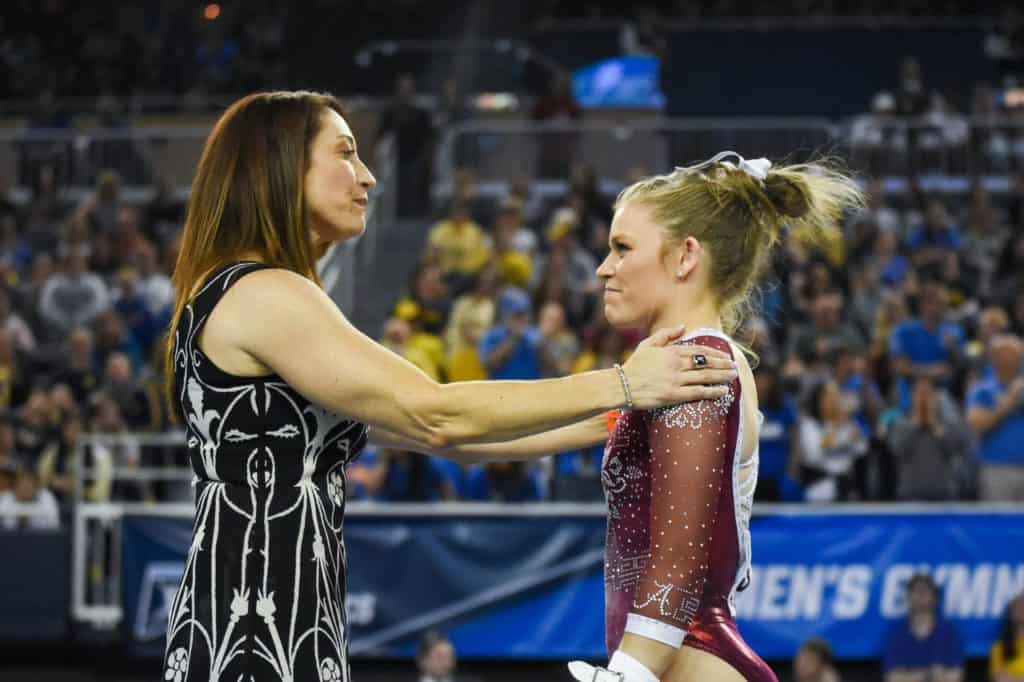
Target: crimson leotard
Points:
(678, 547)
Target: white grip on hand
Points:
(584, 672)
(622, 668)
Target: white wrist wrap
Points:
(632, 669)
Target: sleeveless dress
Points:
(679, 499)
(263, 592)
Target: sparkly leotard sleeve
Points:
(665, 474)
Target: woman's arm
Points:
(290, 325)
(583, 434)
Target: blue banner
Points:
(531, 587)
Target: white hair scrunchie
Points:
(755, 168)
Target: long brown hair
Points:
(247, 196)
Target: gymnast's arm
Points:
(688, 444)
(582, 434)
(292, 326)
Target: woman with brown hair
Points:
(276, 388)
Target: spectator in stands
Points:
(72, 297)
(510, 230)
(515, 245)
(1006, 662)
(911, 96)
(471, 316)
(831, 444)
(112, 336)
(35, 429)
(532, 202)
(817, 342)
(930, 345)
(14, 379)
(154, 286)
(12, 324)
(410, 125)
(929, 448)
(403, 337)
(503, 482)
(878, 212)
(511, 350)
(574, 476)
(27, 506)
(432, 299)
(937, 234)
(77, 368)
(8, 469)
(458, 244)
(1009, 276)
(992, 323)
(105, 418)
(558, 103)
(58, 463)
(402, 476)
(558, 344)
(894, 267)
(777, 436)
(814, 662)
(451, 106)
(435, 658)
(861, 398)
(985, 236)
(163, 214)
(924, 645)
(99, 210)
(603, 347)
(996, 415)
(568, 271)
(132, 308)
(137, 405)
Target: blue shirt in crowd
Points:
(1004, 444)
(921, 346)
(480, 487)
(904, 650)
(920, 237)
(524, 363)
(774, 443)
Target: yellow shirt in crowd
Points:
(462, 247)
(998, 664)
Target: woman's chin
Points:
(614, 318)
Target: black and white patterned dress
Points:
(263, 593)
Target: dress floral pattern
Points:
(262, 597)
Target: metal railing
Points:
(140, 155)
(501, 150)
(943, 153)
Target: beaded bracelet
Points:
(625, 385)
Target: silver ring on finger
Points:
(699, 361)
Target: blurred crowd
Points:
(137, 48)
(85, 297)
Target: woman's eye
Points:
(348, 153)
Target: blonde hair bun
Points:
(789, 194)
